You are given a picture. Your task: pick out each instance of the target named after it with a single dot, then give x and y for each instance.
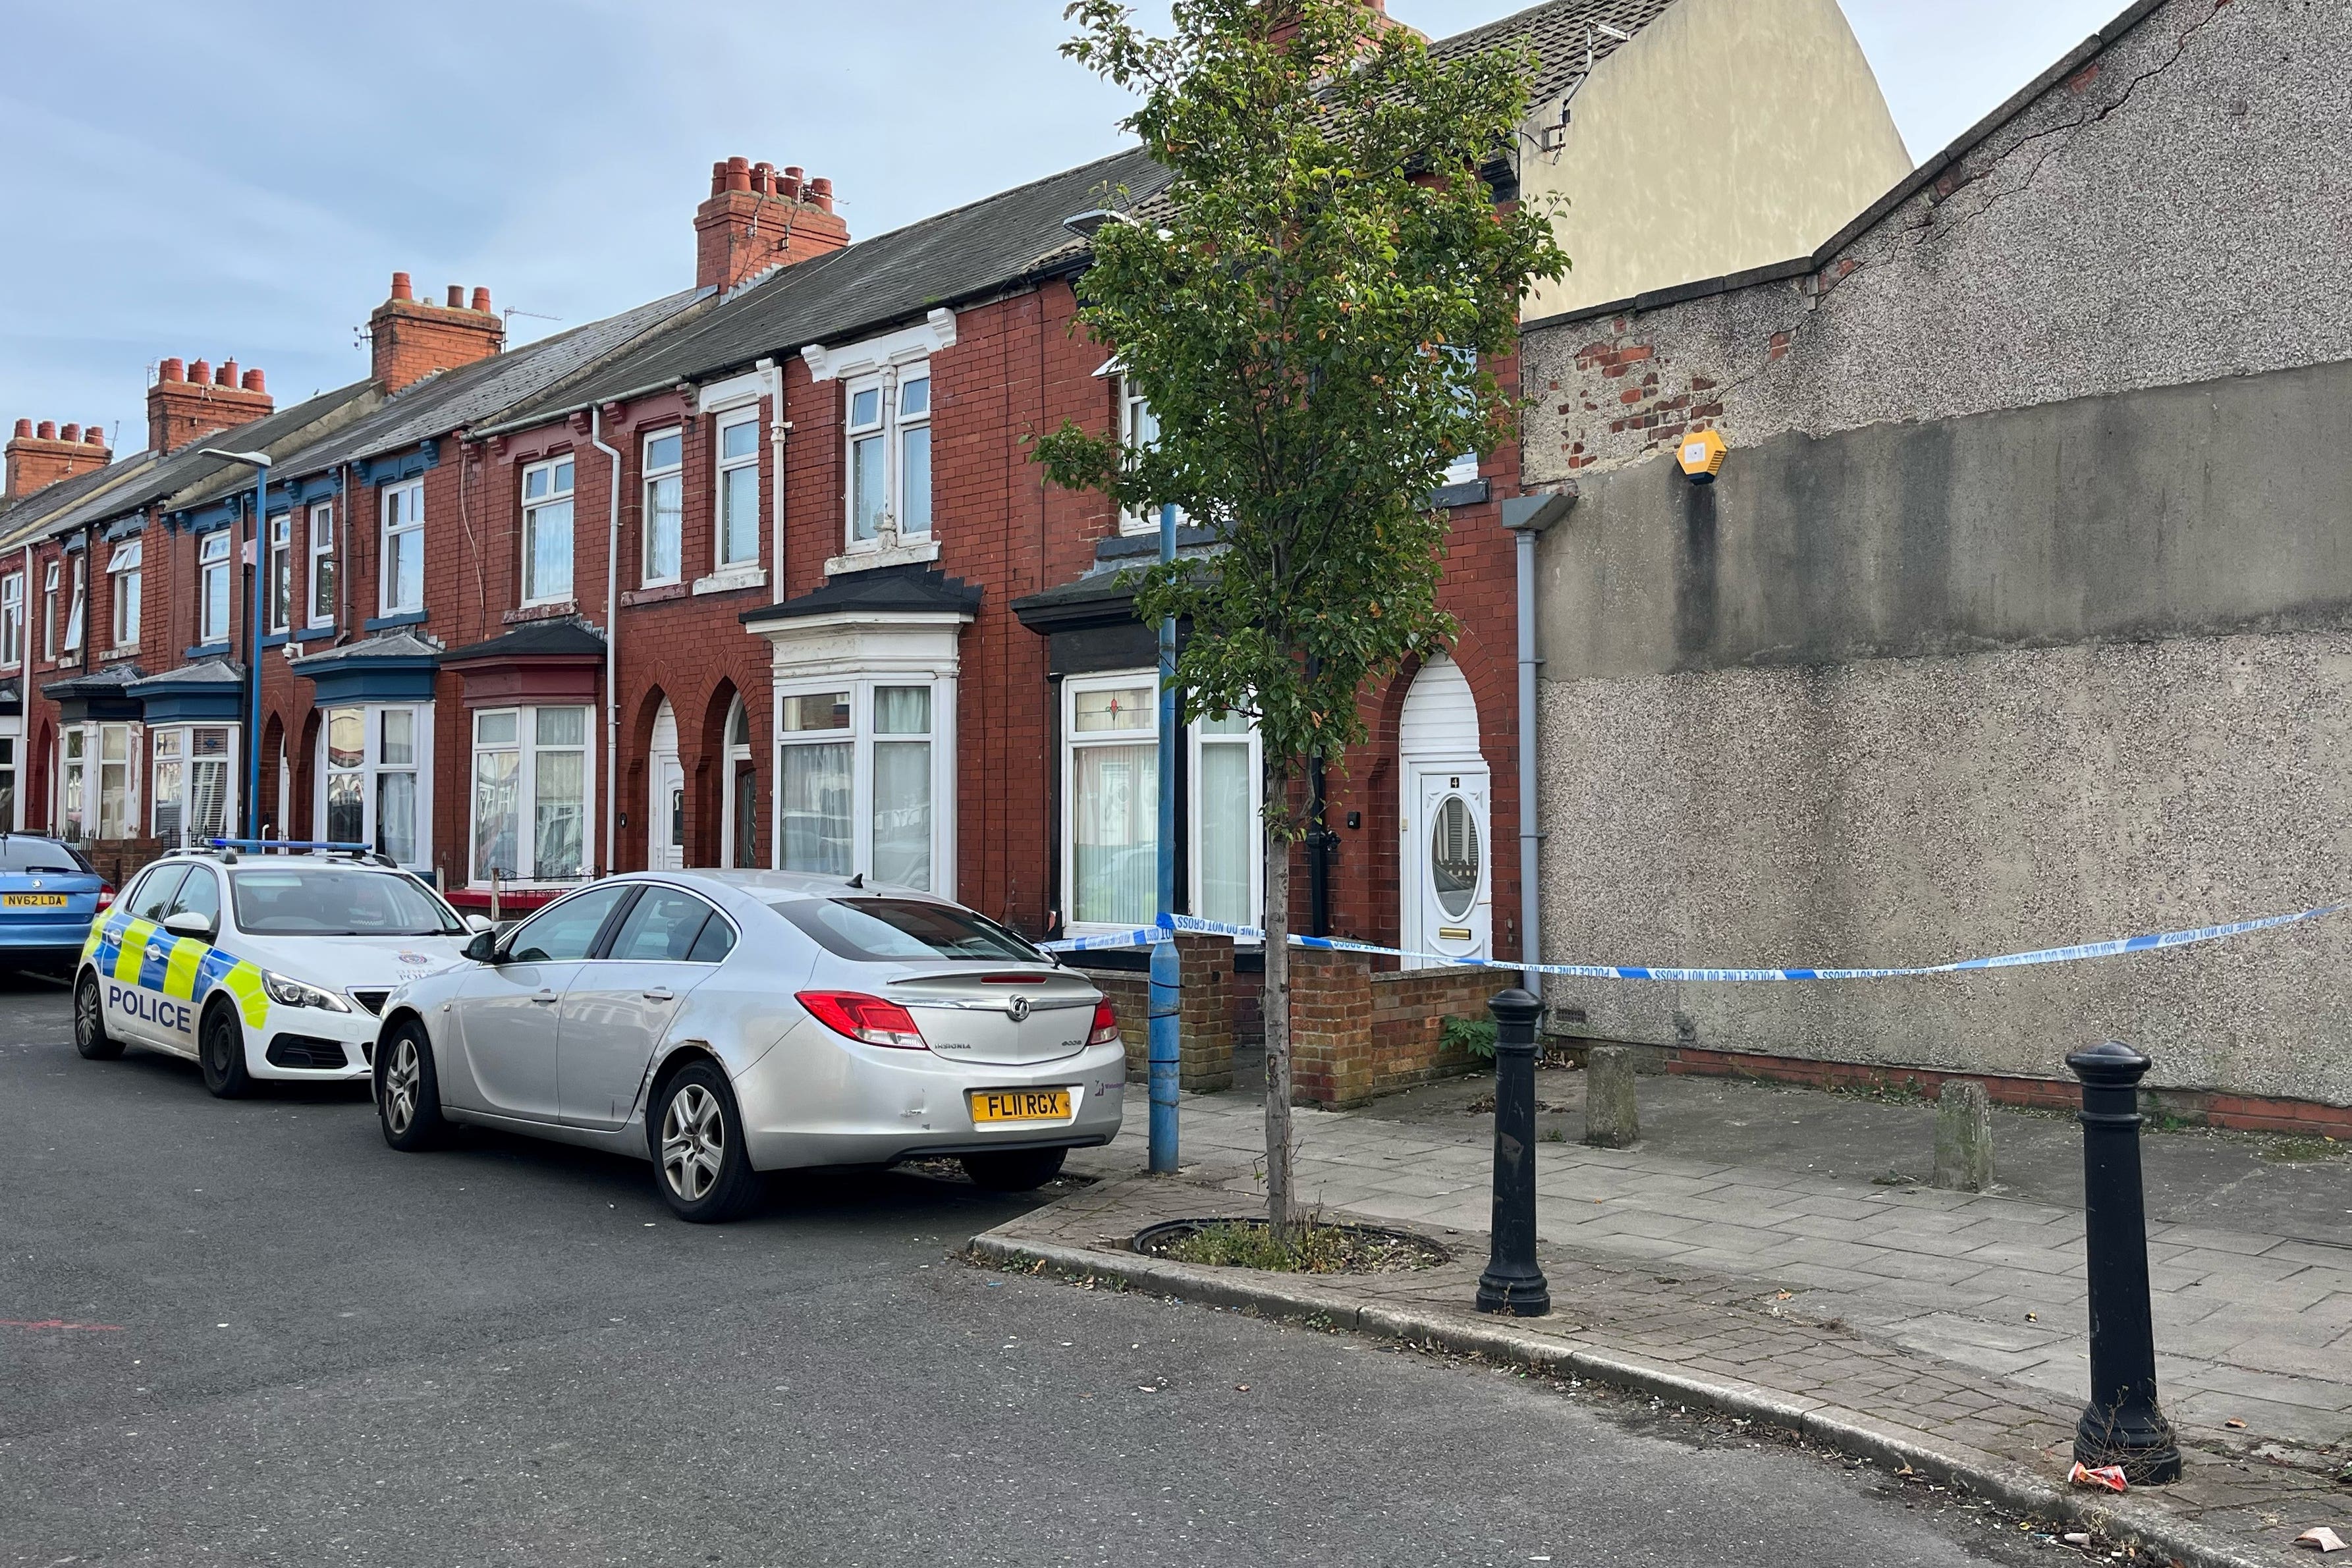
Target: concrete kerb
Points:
(2127, 1518)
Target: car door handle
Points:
(545, 998)
(659, 993)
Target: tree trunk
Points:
(1275, 1010)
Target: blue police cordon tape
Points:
(1145, 935)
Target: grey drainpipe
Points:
(1528, 516)
(611, 630)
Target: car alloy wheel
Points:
(401, 1079)
(694, 1142)
(90, 1038)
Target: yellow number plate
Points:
(36, 900)
(1020, 1105)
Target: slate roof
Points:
(94, 682)
(537, 640)
(212, 671)
(864, 287)
(398, 644)
(1560, 33)
(23, 514)
(168, 478)
(454, 399)
(883, 589)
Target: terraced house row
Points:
(762, 572)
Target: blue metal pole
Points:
(1166, 1052)
(252, 651)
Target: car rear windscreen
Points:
(897, 930)
(338, 904)
(31, 857)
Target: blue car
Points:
(49, 893)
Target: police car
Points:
(259, 965)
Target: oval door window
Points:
(1454, 857)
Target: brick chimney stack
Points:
(40, 455)
(1286, 25)
(190, 401)
(412, 338)
(759, 218)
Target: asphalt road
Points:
(287, 1344)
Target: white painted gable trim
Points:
(906, 346)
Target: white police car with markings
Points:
(260, 964)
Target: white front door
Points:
(1448, 903)
(666, 808)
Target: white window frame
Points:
(860, 737)
(402, 515)
(1133, 410)
(13, 817)
(82, 764)
(78, 614)
(723, 467)
(12, 618)
(213, 556)
(891, 426)
(321, 576)
(1072, 687)
(174, 746)
(526, 743)
(1195, 742)
(672, 473)
(70, 806)
(561, 478)
(731, 805)
(1464, 469)
(279, 558)
(50, 576)
(374, 767)
(123, 567)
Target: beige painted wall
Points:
(1729, 134)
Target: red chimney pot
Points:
(820, 191)
(171, 371)
(739, 173)
(71, 432)
(23, 430)
(226, 375)
(401, 288)
(481, 299)
(48, 430)
(94, 433)
(200, 370)
(457, 296)
(254, 384)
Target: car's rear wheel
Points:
(408, 1090)
(1015, 1170)
(90, 1022)
(700, 1165)
(220, 1051)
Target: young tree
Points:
(1302, 307)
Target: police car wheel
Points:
(220, 1051)
(699, 1162)
(90, 1022)
(407, 1090)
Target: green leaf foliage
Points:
(1296, 306)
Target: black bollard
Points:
(1512, 1282)
(2122, 1424)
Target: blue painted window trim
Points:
(275, 639)
(394, 467)
(406, 618)
(207, 651)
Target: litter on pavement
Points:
(2320, 1539)
(2109, 1476)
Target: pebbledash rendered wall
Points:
(2022, 612)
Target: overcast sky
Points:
(240, 178)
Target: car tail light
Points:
(105, 897)
(861, 1016)
(1106, 1028)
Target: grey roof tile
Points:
(1560, 33)
(23, 516)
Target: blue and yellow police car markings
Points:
(154, 970)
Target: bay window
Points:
(547, 532)
(212, 583)
(665, 472)
(374, 763)
(531, 794)
(123, 567)
(738, 508)
(322, 564)
(891, 455)
(118, 794)
(8, 822)
(11, 617)
(80, 602)
(1110, 808)
(279, 603)
(73, 778)
(401, 591)
(194, 769)
(859, 773)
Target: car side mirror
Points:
(484, 947)
(188, 923)
(479, 923)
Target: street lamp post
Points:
(1165, 1047)
(260, 461)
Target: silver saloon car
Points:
(724, 1023)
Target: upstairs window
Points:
(547, 532)
(891, 455)
(80, 598)
(403, 587)
(739, 492)
(124, 567)
(49, 612)
(282, 571)
(1464, 468)
(212, 586)
(1139, 428)
(12, 620)
(322, 564)
(665, 470)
